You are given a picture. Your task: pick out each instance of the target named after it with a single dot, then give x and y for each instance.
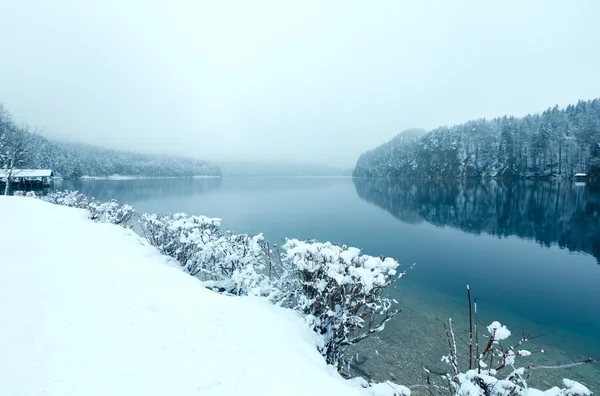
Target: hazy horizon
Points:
(274, 82)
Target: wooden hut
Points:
(27, 179)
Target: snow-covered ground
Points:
(91, 309)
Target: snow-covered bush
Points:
(102, 212)
(29, 194)
(340, 292)
(231, 263)
(243, 259)
(494, 370)
(110, 212)
(73, 199)
(180, 236)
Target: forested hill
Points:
(72, 161)
(556, 143)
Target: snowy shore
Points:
(92, 309)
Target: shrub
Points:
(484, 376)
(230, 263)
(340, 292)
(110, 212)
(29, 194)
(73, 199)
(101, 212)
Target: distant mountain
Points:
(556, 143)
(73, 160)
(257, 169)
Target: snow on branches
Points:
(72, 199)
(484, 375)
(102, 212)
(338, 290)
(28, 194)
(231, 263)
(341, 293)
(110, 212)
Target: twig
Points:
(564, 365)
(477, 340)
(452, 356)
(470, 329)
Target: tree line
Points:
(22, 148)
(554, 144)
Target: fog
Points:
(308, 81)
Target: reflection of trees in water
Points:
(560, 212)
(139, 190)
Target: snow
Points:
(26, 173)
(344, 264)
(387, 388)
(91, 309)
(499, 331)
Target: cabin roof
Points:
(580, 175)
(27, 173)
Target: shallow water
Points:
(529, 250)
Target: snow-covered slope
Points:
(91, 309)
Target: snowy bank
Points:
(92, 309)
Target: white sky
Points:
(302, 81)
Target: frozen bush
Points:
(102, 212)
(230, 263)
(73, 199)
(240, 261)
(110, 212)
(340, 292)
(29, 194)
(180, 236)
(494, 371)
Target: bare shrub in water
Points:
(492, 368)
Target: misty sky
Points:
(303, 81)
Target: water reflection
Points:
(560, 213)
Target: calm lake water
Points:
(529, 250)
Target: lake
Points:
(529, 250)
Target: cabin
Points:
(27, 179)
(580, 177)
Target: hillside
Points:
(72, 160)
(554, 144)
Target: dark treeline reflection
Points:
(560, 213)
(138, 190)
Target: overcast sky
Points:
(301, 81)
